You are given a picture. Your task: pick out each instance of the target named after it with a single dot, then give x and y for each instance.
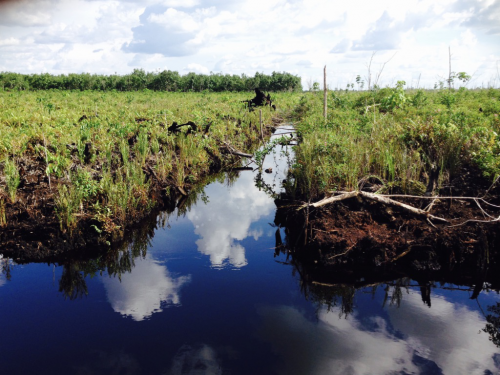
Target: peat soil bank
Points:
(209, 287)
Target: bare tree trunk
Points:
(369, 78)
(382, 69)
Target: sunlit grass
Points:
(116, 139)
(401, 143)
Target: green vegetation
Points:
(395, 138)
(104, 156)
(166, 80)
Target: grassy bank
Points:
(408, 142)
(108, 157)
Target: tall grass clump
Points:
(400, 137)
(12, 178)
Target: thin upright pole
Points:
(260, 121)
(324, 93)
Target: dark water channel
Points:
(208, 294)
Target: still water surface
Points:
(209, 296)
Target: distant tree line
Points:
(166, 80)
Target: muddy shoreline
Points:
(31, 230)
(357, 239)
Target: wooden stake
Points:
(449, 68)
(260, 120)
(324, 93)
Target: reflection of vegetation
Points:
(493, 324)
(121, 258)
(396, 291)
(340, 295)
(6, 265)
(72, 283)
(259, 158)
(262, 186)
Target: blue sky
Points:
(412, 37)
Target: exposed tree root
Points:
(380, 199)
(425, 214)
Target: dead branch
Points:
(380, 199)
(228, 149)
(344, 253)
(416, 211)
(491, 187)
(337, 198)
(371, 106)
(458, 198)
(391, 202)
(429, 207)
(401, 255)
(382, 69)
(475, 221)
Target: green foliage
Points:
(12, 178)
(261, 153)
(68, 202)
(398, 136)
(103, 150)
(396, 99)
(438, 143)
(84, 184)
(448, 98)
(139, 80)
(419, 99)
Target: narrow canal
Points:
(206, 293)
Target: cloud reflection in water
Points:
(145, 290)
(227, 218)
(447, 334)
(440, 340)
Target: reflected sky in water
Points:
(448, 334)
(181, 308)
(226, 220)
(146, 290)
(411, 339)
